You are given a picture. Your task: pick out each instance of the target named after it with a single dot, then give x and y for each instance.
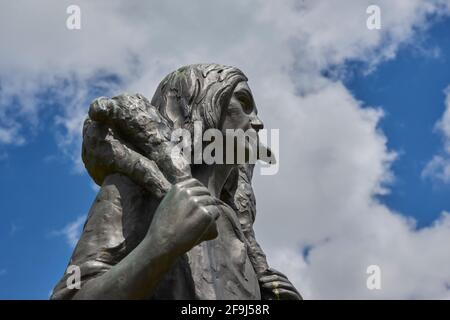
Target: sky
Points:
(364, 120)
(410, 89)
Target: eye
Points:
(246, 102)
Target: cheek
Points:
(236, 119)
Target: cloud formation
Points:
(439, 166)
(334, 160)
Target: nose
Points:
(256, 123)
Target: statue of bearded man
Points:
(161, 227)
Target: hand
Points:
(276, 286)
(185, 217)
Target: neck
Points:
(212, 176)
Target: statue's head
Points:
(214, 94)
(219, 97)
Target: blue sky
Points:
(44, 191)
(39, 196)
(410, 89)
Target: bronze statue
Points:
(161, 227)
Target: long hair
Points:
(198, 92)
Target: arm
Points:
(125, 272)
(185, 217)
(135, 277)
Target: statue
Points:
(160, 226)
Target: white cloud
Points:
(71, 231)
(334, 160)
(439, 166)
(10, 136)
